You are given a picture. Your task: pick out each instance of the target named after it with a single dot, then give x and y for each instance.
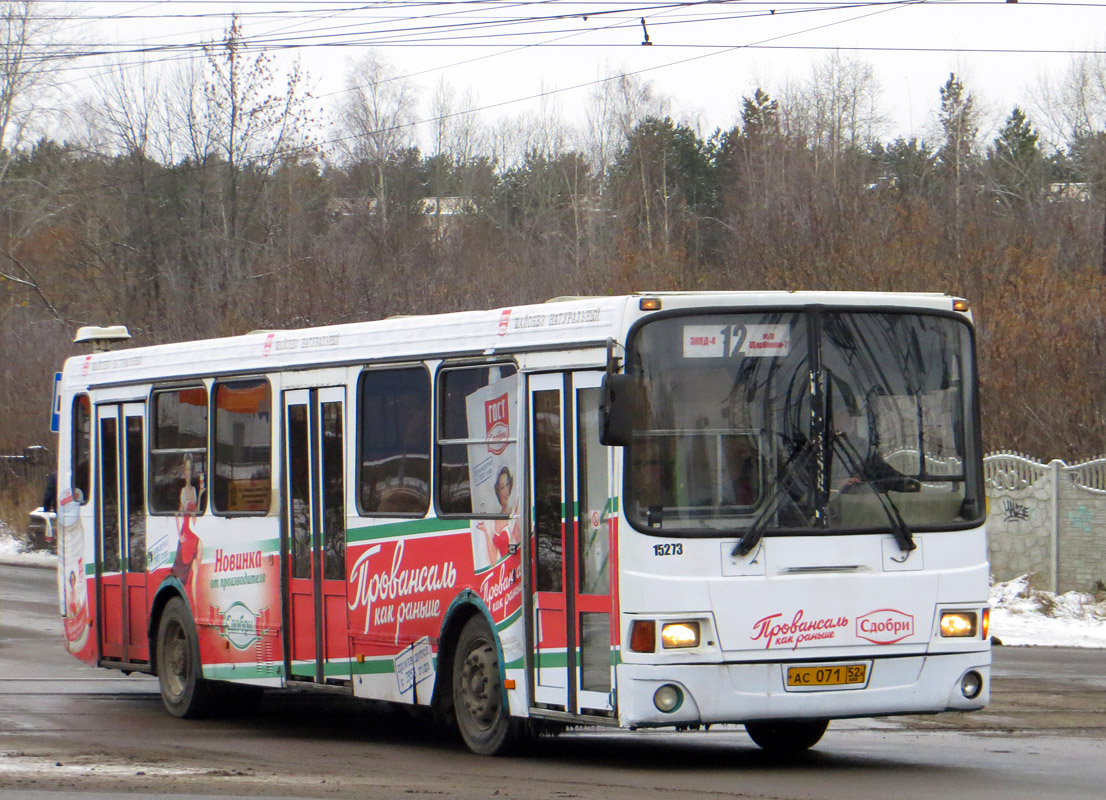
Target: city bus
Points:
(657, 510)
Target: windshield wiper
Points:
(756, 530)
(899, 528)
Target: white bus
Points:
(657, 510)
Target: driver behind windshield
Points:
(870, 469)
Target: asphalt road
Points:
(69, 729)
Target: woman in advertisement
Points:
(189, 547)
(495, 538)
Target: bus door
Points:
(120, 510)
(572, 639)
(314, 539)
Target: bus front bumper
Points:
(704, 694)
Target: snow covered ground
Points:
(12, 553)
(1020, 615)
(1023, 616)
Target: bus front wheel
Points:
(482, 717)
(184, 692)
(791, 736)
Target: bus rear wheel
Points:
(482, 717)
(184, 692)
(791, 736)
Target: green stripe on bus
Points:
(389, 530)
(226, 672)
(509, 621)
(549, 659)
(376, 666)
(331, 669)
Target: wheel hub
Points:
(477, 680)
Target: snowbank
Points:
(1023, 616)
(11, 551)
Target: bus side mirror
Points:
(616, 411)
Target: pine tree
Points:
(958, 117)
(1015, 163)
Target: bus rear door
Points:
(121, 533)
(313, 544)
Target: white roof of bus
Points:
(564, 322)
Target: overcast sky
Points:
(703, 55)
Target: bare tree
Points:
(838, 109)
(1074, 106)
(616, 106)
(457, 130)
(377, 118)
(240, 119)
(29, 60)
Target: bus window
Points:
(136, 497)
(477, 430)
(242, 465)
(178, 451)
(394, 475)
(82, 447)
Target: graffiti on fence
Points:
(1014, 512)
(1081, 518)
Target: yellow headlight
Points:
(958, 624)
(680, 634)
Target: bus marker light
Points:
(986, 623)
(958, 624)
(643, 636)
(650, 304)
(680, 634)
(961, 305)
(668, 698)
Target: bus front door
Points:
(314, 536)
(121, 533)
(572, 640)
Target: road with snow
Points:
(67, 728)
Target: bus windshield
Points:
(802, 420)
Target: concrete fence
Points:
(1048, 520)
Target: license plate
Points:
(833, 675)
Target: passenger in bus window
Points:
(189, 546)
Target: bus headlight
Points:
(958, 624)
(680, 634)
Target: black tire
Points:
(787, 736)
(482, 718)
(184, 692)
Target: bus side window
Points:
(82, 447)
(394, 474)
(477, 430)
(242, 462)
(178, 451)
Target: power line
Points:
(615, 22)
